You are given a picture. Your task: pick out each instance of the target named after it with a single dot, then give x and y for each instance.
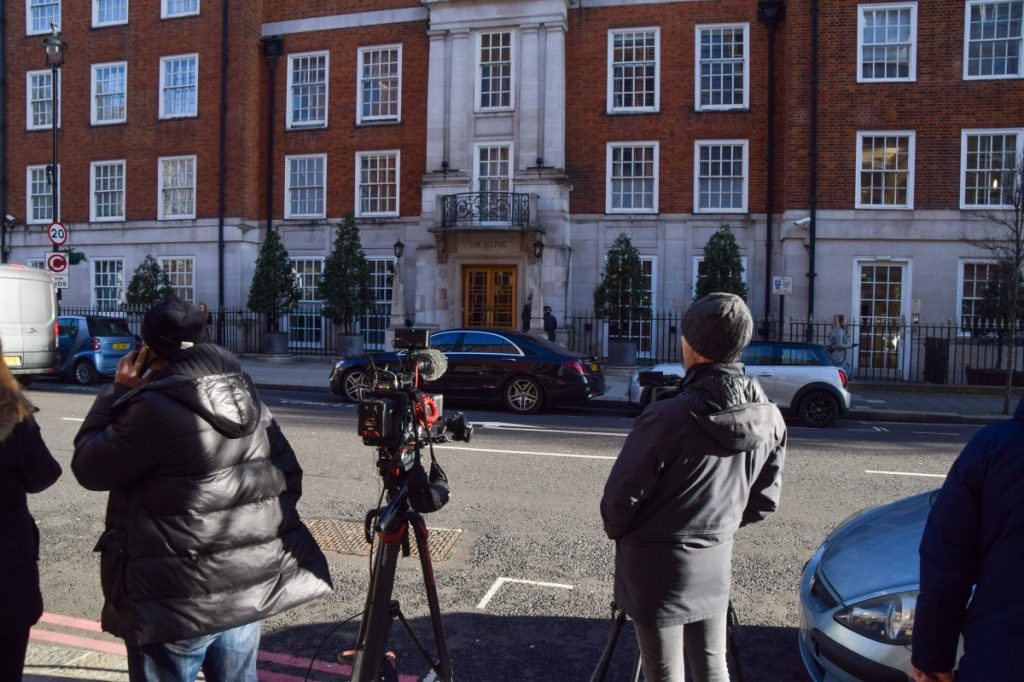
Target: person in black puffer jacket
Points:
(26, 466)
(695, 467)
(203, 539)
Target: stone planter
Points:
(274, 343)
(621, 352)
(991, 377)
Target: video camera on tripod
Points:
(398, 419)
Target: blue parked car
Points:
(89, 346)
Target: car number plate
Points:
(12, 360)
(593, 367)
(120, 346)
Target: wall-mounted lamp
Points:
(538, 247)
(399, 248)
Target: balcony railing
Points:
(485, 209)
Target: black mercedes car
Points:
(525, 372)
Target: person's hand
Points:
(128, 368)
(922, 676)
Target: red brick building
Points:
(877, 138)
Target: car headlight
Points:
(888, 619)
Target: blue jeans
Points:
(228, 656)
(702, 645)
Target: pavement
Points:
(65, 648)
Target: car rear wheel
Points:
(355, 384)
(818, 409)
(523, 395)
(25, 380)
(85, 373)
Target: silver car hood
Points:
(877, 550)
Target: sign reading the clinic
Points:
(488, 244)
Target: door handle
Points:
(31, 330)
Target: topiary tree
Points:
(273, 291)
(622, 296)
(345, 287)
(148, 286)
(722, 267)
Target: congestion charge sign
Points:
(58, 234)
(57, 262)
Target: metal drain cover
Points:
(346, 537)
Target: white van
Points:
(28, 321)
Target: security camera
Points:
(803, 222)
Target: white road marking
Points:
(72, 419)
(904, 473)
(934, 433)
(501, 581)
(527, 452)
(541, 429)
(872, 400)
(310, 403)
(881, 428)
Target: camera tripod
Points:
(372, 661)
(618, 621)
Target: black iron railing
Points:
(887, 351)
(240, 330)
(476, 209)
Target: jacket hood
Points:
(737, 415)
(209, 381)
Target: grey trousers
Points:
(701, 644)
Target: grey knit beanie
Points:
(718, 326)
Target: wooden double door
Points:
(489, 296)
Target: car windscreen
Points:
(108, 326)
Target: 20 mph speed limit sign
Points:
(58, 235)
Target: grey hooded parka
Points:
(695, 468)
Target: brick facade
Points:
(558, 117)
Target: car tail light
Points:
(843, 379)
(95, 344)
(574, 366)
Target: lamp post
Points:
(55, 48)
(397, 292)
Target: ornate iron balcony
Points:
(485, 209)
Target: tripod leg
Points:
(444, 665)
(606, 656)
(373, 631)
(637, 667)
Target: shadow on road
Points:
(769, 654)
(481, 646)
(520, 649)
